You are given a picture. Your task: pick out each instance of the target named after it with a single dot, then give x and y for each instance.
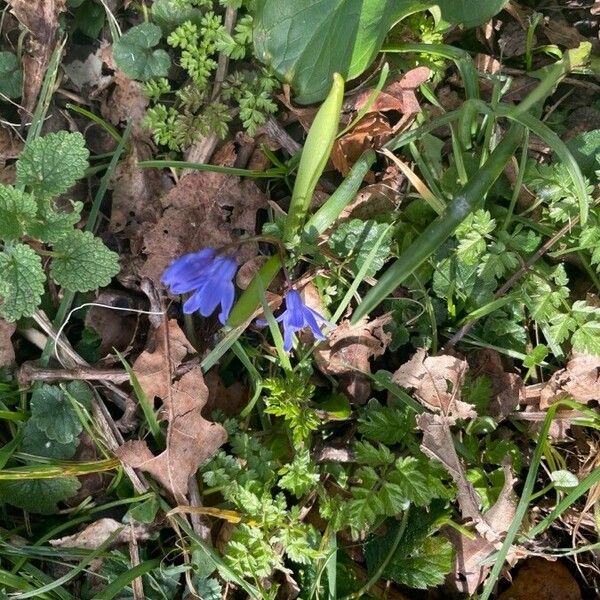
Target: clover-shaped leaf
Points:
(134, 54)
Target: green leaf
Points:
(585, 149)
(587, 338)
(36, 442)
(16, 210)
(83, 262)
(412, 478)
(169, 15)
(300, 475)
(307, 41)
(50, 224)
(38, 495)
(52, 413)
(133, 52)
(469, 13)
(564, 479)
(426, 566)
(561, 326)
(472, 233)
(384, 424)
(50, 165)
(21, 281)
(355, 240)
(11, 77)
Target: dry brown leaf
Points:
(95, 534)
(203, 209)
(562, 34)
(543, 580)
(191, 439)
(399, 95)
(507, 388)
(348, 354)
(7, 352)
(41, 20)
(10, 146)
(372, 132)
(436, 381)
(579, 380)
(154, 368)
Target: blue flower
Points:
(297, 316)
(210, 278)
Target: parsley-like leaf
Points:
(384, 424)
(21, 281)
(133, 52)
(83, 262)
(50, 165)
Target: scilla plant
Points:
(38, 236)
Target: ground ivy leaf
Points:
(50, 225)
(16, 210)
(133, 52)
(52, 413)
(83, 262)
(36, 442)
(21, 281)
(38, 495)
(11, 77)
(50, 165)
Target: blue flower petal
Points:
(185, 271)
(227, 298)
(311, 322)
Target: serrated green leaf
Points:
(453, 278)
(38, 495)
(411, 477)
(587, 338)
(16, 210)
(585, 149)
(52, 413)
(81, 392)
(11, 77)
(355, 239)
(36, 442)
(561, 325)
(169, 15)
(133, 52)
(384, 424)
(83, 262)
(50, 224)
(50, 165)
(426, 566)
(374, 456)
(300, 475)
(21, 282)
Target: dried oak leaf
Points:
(95, 534)
(191, 439)
(41, 20)
(348, 354)
(579, 380)
(7, 352)
(203, 209)
(154, 368)
(436, 381)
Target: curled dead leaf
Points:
(579, 380)
(348, 354)
(95, 534)
(437, 382)
(41, 21)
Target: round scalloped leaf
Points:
(11, 76)
(50, 165)
(133, 52)
(564, 479)
(17, 209)
(21, 282)
(38, 495)
(82, 262)
(53, 414)
(36, 442)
